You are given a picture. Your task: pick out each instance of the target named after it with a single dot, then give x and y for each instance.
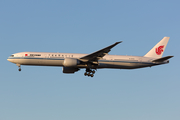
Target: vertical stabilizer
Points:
(158, 50)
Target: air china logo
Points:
(26, 54)
(159, 50)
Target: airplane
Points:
(72, 62)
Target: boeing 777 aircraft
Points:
(72, 63)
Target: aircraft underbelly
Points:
(41, 62)
(122, 65)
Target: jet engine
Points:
(70, 62)
(70, 70)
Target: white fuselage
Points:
(72, 62)
(57, 59)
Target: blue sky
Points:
(83, 27)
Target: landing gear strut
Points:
(89, 72)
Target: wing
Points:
(98, 54)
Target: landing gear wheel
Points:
(89, 72)
(92, 75)
(85, 73)
(19, 69)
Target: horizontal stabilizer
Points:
(162, 59)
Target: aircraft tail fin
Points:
(158, 50)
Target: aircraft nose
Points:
(10, 60)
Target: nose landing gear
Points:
(19, 67)
(89, 72)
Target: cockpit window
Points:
(12, 56)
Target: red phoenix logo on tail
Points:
(159, 50)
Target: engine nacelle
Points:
(70, 62)
(70, 70)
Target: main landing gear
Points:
(19, 67)
(89, 72)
